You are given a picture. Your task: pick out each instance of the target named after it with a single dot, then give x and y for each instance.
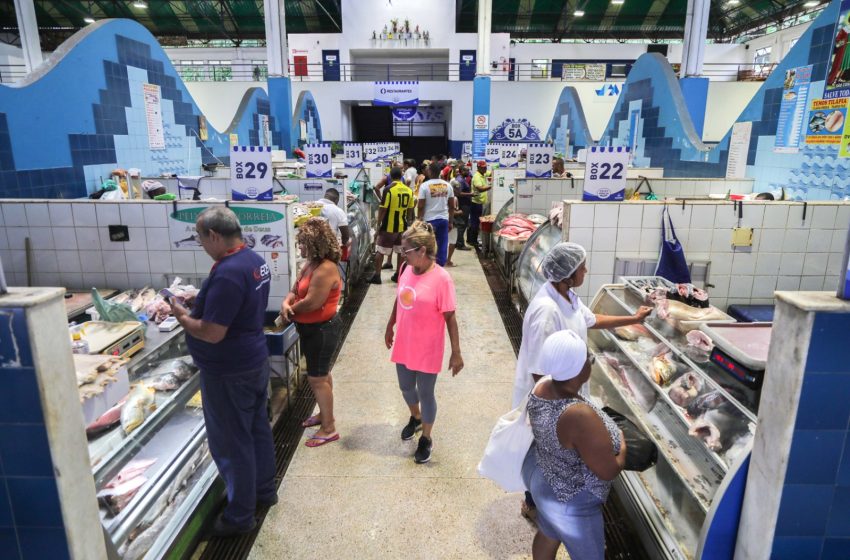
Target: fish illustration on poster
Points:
(516, 130)
(263, 227)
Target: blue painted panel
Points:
(814, 457)
(804, 510)
(836, 549)
(839, 517)
(824, 402)
(25, 450)
(19, 399)
(828, 350)
(844, 469)
(35, 502)
(37, 544)
(9, 545)
(5, 507)
(723, 532)
(796, 548)
(695, 92)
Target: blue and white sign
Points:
(508, 155)
(466, 149)
(404, 113)
(318, 160)
(516, 130)
(608, 90)
(792, 109)
(539, 160)
(370, 152)
(492, 152)
(251, 172)
(605, 173)
(353, 154)
(396, 94)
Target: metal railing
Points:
(423, 72)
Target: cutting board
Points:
(100, 335)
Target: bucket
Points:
(486, 226)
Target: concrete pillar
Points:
(28, 28)
(279, 86)
(696, 32)
(482, 58)
(695, 92)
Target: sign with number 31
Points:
(251, 173)
(605, 173)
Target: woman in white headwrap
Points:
(557, 307)
(578, 450)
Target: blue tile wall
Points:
(804, 510)
(98, 123)
(31, 523)
(795, 548)
(836, 549)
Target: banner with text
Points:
(792, 109)
(263, 227)
(318, 160)
(480, 134)
(591, 72)
(396, 94)
(251, 173)
(605, 173)
(825, 121)
(353, 154)
(539, 160)
(508, 155)
(739, 150)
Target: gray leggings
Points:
(418, 388)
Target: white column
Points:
(696, 32)
(28, 29)
(276, 46)
(485, 21)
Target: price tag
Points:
(318, 160)
(605, 173)
(539, 160)
(353, 155)
(509, 155)
(491, 153)
(251, 173)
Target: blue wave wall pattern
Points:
(82, 113)
(652, 102)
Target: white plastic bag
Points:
(509, 443)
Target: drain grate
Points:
(287, 436)
(511, 318)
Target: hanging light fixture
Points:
(140, 4)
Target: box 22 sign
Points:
(605, 173)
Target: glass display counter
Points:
(528, 275)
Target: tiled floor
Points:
(363, 497)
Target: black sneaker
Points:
(223, 530)
(267, 503)
(461, 248)
(394, 277)
(376, 279)
(387, 266)
(411, 428)
(423, 451)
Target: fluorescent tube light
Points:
(578, 13)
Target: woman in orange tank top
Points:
(312, 305)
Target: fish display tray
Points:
(745, 342)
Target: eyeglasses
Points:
(406, 251)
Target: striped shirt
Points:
(398, 199)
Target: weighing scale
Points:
(740, 349)
(114, 339)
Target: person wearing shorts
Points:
(312, 306)
(395, 212)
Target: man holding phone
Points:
(224, 332)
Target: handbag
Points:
(641, 452)
(672, 264)
(509, 443)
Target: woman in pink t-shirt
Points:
(424, 309)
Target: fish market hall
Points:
(446, 279)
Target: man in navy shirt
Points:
(224, 332)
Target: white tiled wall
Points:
(788, 252)
(71, 246)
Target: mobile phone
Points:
(166, 293)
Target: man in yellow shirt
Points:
(480, 186)
(394, 215)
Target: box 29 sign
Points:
(251, 172)
(605, 173)
(318, 160)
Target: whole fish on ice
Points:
(106, 420)
(662, 369)
(140, 403)
(685, 389)
(632, 332)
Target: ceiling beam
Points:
(656, 10)
(611, 13)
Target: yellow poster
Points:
(202, 128)
(826, 121)
(234, 140)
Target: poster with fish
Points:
(825, 121)
(792, 109)
(263, 226)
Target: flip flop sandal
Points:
(316, 441)
(311, 421)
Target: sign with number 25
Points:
(251, 172)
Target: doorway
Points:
(418, 140)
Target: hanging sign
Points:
(539, 160)
(353, 155)
(153, 114)
(396, 94)
(370, 152)
(318, 160)
(508, 155)
(396, 149)
(591, 72)
(792, 109)
(838, 75)
(825, 121)
(739, 149)
(491, 153)
(263, 226)
(251, 173)
(466, 149)
(605, 173)
(404, 113)
(516, 130)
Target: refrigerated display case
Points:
(145, 516)
(361, 241)
(504, 259)
(528, 276)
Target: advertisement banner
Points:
(508, 155)
(739, 150)
(838, 77)
(353, 155)
(263, 227)
(251, 173)
(396, 94)
(480, 134)
(491, 153)
(605, 173)
(792, 109)
(153, 115)
(590, 72)
(825, 121)
(539, 160)
(318, 160)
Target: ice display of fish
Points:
(685, 389)
(632, 332)
(130, 471)
(167, 382)
(140, 403)
(699, 340)
(183, 370)
(272, 241)
(703, 403)
(117, 497)
(633, 380)
(662, 369)
(709, 433)
(106, 420)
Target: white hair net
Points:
(562, 261)
(563, 355)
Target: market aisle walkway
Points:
(364, 497)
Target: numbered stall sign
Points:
(509, 155)
(370, 152)
(396, 149)
(353, 155)
(251, 173)
(492, 153)
(318, 160)
(605, 173)
(539, 160)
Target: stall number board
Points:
(353, 155)
(605, 173)
(318, 160)
(539, 160)
(250, 173)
